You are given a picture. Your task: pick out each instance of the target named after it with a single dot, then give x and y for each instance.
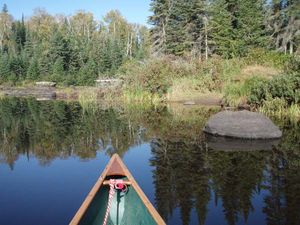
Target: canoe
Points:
(116, 199)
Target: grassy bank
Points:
(258, 81)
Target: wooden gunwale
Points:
(116, 167)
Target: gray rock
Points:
(189, 103)
(37, 92)
(108, 83)
(242, 124)
(45, 84)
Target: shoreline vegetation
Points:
(263, 85)
(209, 55)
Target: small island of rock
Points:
(242, 124)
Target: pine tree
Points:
(197, 28)
(237, 26)
(5, 29)
(176, 36)
(158, 20)
(250, 30)
(58, 72)
(116, 55)
(19, 34)
(18, 67)
(33, 71)
(178, 26)
(221, 32)
(4, 67)
(4, 8)
(105, 63)
(88, 73)
(60, 48)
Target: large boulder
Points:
(242, 124)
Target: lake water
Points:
(51, 154)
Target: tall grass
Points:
(279, 108)
(139, 96)
(88, 99)
(188, 88)
(238, 93)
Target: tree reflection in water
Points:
(187, 173)
(58, 129)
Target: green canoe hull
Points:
(126, 209)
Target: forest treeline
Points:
(230, 28)
(73, 50)
(76, 49)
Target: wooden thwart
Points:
(106, 182)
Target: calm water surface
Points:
(51, 154)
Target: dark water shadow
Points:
(235, 144)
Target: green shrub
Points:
(269, 58)
(155, 75)
(240, 92)
(274, 107)
(283, 86)
(292, 65)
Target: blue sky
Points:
(135, 11)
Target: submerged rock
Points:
(242, 124)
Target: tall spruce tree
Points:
(250, 30)
(58, 71)
(197, 28)
(237, 26)
(33, 71)
(4, 67)
(19, 35)
(185, 27)
(221, 28)
(176, 37)
(158, 20)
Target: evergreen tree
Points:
(237, 26)
(250, 30)
(88, 73)
(197, 28)
(33, 71)
(18, 67)
(105, 63)
(4, 67)
(60, 48)
(221, 30)
(116, 54)
(158, 20)
(5, 29)
(177, 40)
(4, 8)
(284, 25)
(19, 34)
(58, 72)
